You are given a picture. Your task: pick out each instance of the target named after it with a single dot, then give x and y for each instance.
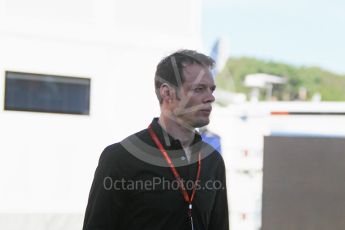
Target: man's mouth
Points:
(208, 110)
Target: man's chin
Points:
(201, 123)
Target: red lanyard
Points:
(186, 197)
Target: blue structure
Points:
(212, 139)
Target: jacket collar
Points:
(169, 143)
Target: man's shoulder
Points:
(210, 150)
(113, 151)
(211, 154)
(120, 149)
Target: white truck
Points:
(243, 128)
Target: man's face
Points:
(193, 105)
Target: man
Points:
(165, 177)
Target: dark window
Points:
(47, 93)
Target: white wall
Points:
(47, 161)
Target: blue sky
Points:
(298, 32)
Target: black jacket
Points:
(133, 187)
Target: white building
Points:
(47, 160)
(243, 126)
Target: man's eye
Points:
(199, 89)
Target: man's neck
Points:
(177, 130)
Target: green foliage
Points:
(316, 80)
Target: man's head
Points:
(184, 86)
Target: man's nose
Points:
(210, 98)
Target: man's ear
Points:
(167, 92)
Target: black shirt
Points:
(133, 187)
